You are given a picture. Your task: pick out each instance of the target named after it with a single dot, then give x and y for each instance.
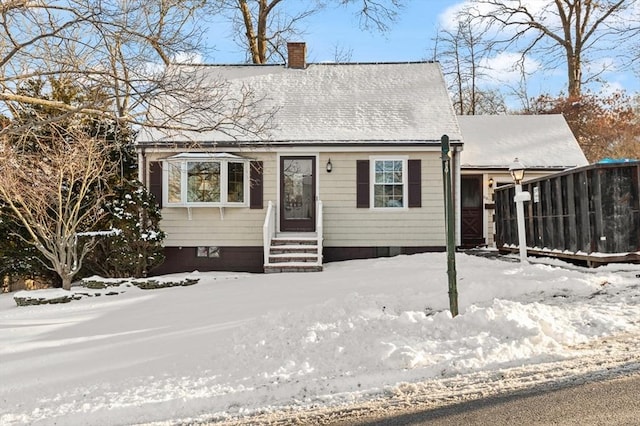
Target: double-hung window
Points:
(206, 180)
(389, 178)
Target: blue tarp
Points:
(615, 160)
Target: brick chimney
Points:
(297, 53)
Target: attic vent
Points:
(297, 52)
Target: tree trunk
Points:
(252, 38)
(66, 282)
(574, 70)
(262, 32)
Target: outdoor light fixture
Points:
(490, 182)
(329, 166)
(517, 171)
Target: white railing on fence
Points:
(319, 229)
(268, 230)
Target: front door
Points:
(472, 211)
(297, 194)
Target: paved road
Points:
(609, 402)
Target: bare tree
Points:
(462, 52)
(341, 53)
(375, 14)
(64, 200)
(124, 53)
(565, 31)
(263, 27)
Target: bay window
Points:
(207, 180)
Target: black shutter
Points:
(362, 185)
(414, 175)
(256, 186)
(155, 181)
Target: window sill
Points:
(389, 209)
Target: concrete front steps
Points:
(293, 254)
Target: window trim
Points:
(224, 159)
(405, 181)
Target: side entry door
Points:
(472, 211)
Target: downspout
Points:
(456, 198)
(142, 167)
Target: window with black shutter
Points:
(390, 182)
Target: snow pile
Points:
(237, 344)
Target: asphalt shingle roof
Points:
(538, 141)
(396, 102)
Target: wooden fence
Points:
(589, 213)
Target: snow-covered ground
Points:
(235, 345)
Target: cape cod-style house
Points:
(351, 168)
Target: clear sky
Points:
(410, 38)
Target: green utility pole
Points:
(449, 226)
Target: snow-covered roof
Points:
(539, 141)
(376, 102)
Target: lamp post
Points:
(517, 173)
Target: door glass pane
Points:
(471, 195)
(298, 188)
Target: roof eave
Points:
(336, 143)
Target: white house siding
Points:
(238, 227)
(345, 225)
